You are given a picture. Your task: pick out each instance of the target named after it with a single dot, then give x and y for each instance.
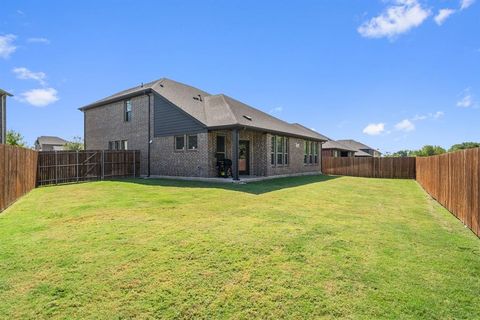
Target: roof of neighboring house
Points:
(213, 111)
(51, 140)
(336, 145)
(361, 153)
(5, 93)
(355, 145)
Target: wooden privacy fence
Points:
(453, 179)
(397, 168)
(56, 167)
(17, 173)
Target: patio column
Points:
(235, 154)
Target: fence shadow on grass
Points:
(256, 188)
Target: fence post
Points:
(103, 164)
(56, 168)
(77, 165)
(134, 164)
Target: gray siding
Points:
(170, 120)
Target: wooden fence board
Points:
(396, 168)
(17, 173)
(453, 180)
(56, 167)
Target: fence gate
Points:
(56, 167)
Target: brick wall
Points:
(166, 161)
(106, 123)
(296, 165)
(258, 156)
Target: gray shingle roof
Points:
(361, 153)
(5, 93)
(214, 111)
(336, 145)
(354, 144)
(51, 140)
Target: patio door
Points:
(244, 157)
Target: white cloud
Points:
(276, 110)
(6, 45)
(464, 4)
(466, 100)
(443, 15)
(421, 117)
(405, 125)
(38, 40)
(395, 20)
(438, 114)
(40, 97)
(374, 129)
(24, 73)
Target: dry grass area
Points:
(310, 247)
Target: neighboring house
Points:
(3, 115)
(336, 149)
(183, 131)
(362, 149)
(48, 143)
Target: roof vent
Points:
(141, 86)
(195, 98)
(161, 85)
(248, 118)
(200, 97)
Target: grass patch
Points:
(307, 247)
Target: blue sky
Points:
(394, 74)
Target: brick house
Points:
(335, 149)
(183, 131)
(49, 143)
(362, 150)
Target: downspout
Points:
(149, 134)
(320, 155)
(84, 130)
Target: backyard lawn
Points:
(310, 247)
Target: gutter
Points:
(241, 126)
(149, 142)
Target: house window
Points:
(128, 110)
(110, 145)
(220, 152)
(310, 158)
(117, 145)
(305, 151)
(124, 144)
(280, 142)
(272, 150)
(310, 154)
(180, 143)
(286, 152)
(192, 142)
(279, 151)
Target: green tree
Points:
(429, 150)
(15, 139)
(75, 145)
(464, 145)
(402, 153)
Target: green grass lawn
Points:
(310, 247)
